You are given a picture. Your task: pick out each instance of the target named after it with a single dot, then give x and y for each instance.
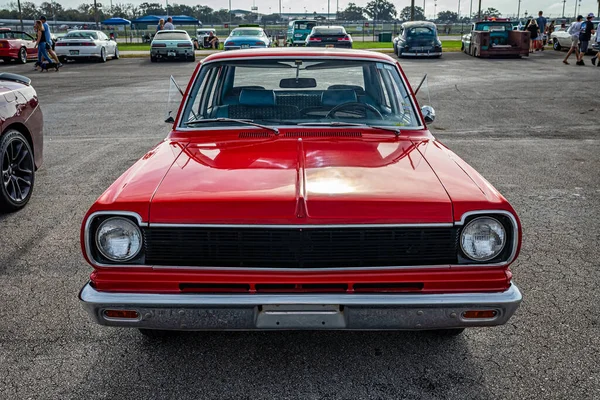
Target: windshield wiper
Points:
(339, 123)
(239, 121)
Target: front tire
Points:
(556, 45)
(17, 168)
(103, 55)
(152, 59)
(116, 55)
(22, 56)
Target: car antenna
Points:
(420, 84)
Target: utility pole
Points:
(458, 9)
(519, 11)
(423, 7)
(564, 2)
(479, 12)
(20, 14)
(412, 10)
(471, 11)
(575, 16)
(96, 12)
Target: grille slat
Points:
(300, 247)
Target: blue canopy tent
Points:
(117, 21)
(177, 19)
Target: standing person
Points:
(534, 30)
(542, 22)
(161, 25)
(587, 28)
(169, 25)
(40, 43)
(573, 31)
(48, 37)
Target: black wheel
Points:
(152, 59)
(192, 58)
(156, 333)
(556, 45)
(462, 46)
(22, 56)
(62, 59)
(102, 55)
(17, 171)
(447, 332)
(116, 56)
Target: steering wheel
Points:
(366, 107)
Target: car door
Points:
(106, 43)
(29, 43)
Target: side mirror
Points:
(428, 114)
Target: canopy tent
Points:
(116, 21)
(177, 19)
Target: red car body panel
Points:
(220, 177)
(20, 108)
(10, 47)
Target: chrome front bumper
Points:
(388, 311)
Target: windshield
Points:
(329, 31)
(304, 25)
(246, 32)
(301, 91)
(81, 35)
(171, 36)
(493, 27)
(420, 31)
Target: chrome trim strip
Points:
(412, 311)
(515, 227)
(311, 270)
(326, 226)
(86, 235)
(421, 54)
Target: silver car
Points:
(86, 44)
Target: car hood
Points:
(296, 181)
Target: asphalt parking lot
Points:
(530, 126)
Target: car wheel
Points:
(22, 56)
(62, 59)
(152, 59)
(462, 47)
(102, 55)
(116, 56)
(556, 45)
(156, 333)
(16, 172)
(192, 58)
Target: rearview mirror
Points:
(298, 83)
(428, 114)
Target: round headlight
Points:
(118, 239)
(483, 238)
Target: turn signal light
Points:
(480, 314)
(122, 314)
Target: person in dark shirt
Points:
(587, 28)
(534, 29)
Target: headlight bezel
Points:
(103, 252)
(92, 247)
(507, 254)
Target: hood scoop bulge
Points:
(307, 134)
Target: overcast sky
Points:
(506, 7)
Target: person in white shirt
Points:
(598, 53)
(169, 25)
(574, 31)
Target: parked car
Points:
(495, 38)
(561, 40)
(172, 45)
(202, 37)
(298, 30)
(17, 45)
(81, 44)
(247, 37)
(300, 191)
(329, 36)
(21, 140)
(418, 39)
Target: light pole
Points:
(20, 14)
(575, 16)
(479, 12)
(519, 10)
(471, 10)
(564, 3)
(412, 10)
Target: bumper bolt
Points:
(453, 315)
(419, 312)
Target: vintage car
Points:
(561, 40)
(298, 30)
(495, 38)
(77, 45)
(300, 189)
(17, 45)
(418, 39)
(21, 140)
(172, 45)
(247, 37)
(329, 36)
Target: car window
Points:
(166, 35)
(246, 32)
(296, 91)
(420, 31)
(329, 31)
(81, 35)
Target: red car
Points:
(17, 45)
(300, 189)
(21, 140)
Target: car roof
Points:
(246, 27)
(332, 27)
(413, 24)
(83, 30)
(278, 52)
(173, 30)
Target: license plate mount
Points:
(74, 52)
(292, 316)
(171, 54)
(245, 46)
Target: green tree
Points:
(381, 10)
(271, 18)
(489, 13)
(447, 16)
(419, 14)
(352, 13)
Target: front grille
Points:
(300, 247)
